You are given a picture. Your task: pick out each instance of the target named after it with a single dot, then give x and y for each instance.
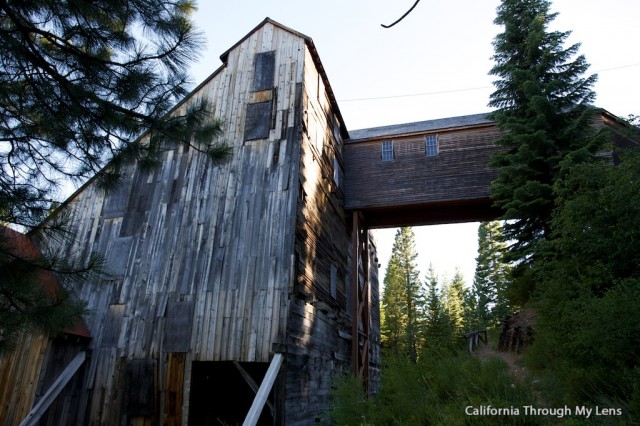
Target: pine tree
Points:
(437, 329)
(402, 299)
(454, 302)
(491, 276)
(470, 313)
(80, 83)
(543, 105)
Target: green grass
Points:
(433, 391)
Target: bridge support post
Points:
(360, 299)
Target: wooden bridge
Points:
(423, 173)
(431, 172)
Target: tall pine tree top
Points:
(544, 106)
(403, 297)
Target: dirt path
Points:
(487, 351)
(512, 360)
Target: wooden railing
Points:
(474, 337)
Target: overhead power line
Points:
(415, 94)
(468, 89)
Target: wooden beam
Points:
(52, 393)
(252, 384)
(263, 393)
(355, 277)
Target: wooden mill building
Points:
(253, 282)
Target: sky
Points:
(433, 64)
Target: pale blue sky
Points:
(436, 62)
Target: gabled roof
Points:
(266, 20)
(421, 126)
(314, 54)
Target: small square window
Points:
(431, 145)
(387, 150)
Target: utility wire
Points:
(403, 16)
(468, 89)
(416, 94)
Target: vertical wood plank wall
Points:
(201, 257)
(19, 373)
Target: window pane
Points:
(387, 150)
(431, 145)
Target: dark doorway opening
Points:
(220, 395)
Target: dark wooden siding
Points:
(459, 172)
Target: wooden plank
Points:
(174, 389)
(113, 325)
(264, 70)
(40, 408)
(252, 384)
(139, 388)
(178, 326)
(263, 393)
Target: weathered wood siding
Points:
(201, 257)
(319, 325)
(459, 172)
(19, 373)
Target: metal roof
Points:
(420, 126)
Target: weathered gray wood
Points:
(230, 240)
(178, 326)
(258, 120)
(113, 325)
(139, 388)
(264, 70)
(263, 392)
(252, 384)
(41, 406)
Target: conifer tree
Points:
(437, 329)
(454, 301)
(543, 104)
(470, 313)
(402, 299)
(80, 83)
(491, 276)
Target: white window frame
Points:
(431, 145)
(386, 151)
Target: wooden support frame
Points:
(263, 393)
(252, 384)
(52, 393)
(360, 323)
(474, 337)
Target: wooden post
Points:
(252, 384)
(263, 393)
(52, 393)
(360, 299)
